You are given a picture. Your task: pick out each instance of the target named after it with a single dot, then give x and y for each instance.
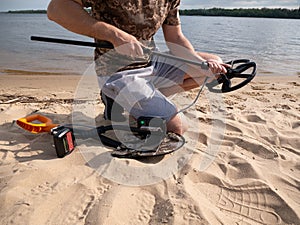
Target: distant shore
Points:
(280, 13)
(39, 11)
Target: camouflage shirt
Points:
(140, 18)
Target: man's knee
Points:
(177, 124)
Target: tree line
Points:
(253, 12)
(31, 11)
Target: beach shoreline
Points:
(253, 177)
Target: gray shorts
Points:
(138, 91)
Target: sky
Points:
(6, 5)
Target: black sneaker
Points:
(112, 111)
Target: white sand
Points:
(252, 178)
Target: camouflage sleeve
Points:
(173, 15)
(87, 3)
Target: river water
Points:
(274, 44)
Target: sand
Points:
(241, 169)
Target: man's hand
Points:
(127, 44)
(217, 67)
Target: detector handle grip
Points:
(44, 124)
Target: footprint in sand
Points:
(255, 119)
(257, 147)
(263, 99)
(68, 206)
(295, 125)
(124, 205)
(252, 203)
(258, 87)
(291, 98)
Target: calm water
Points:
(273, 43)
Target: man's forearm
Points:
(71, 15)
(178, 44)
(182, 47)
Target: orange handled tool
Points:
(44, 124)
